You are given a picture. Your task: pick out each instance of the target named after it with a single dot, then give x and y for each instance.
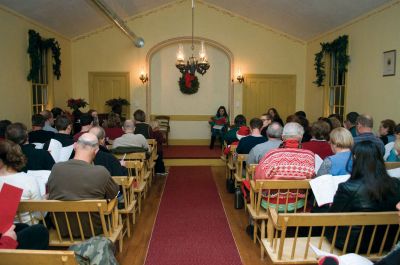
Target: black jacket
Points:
(111, 163)
(38, 159)
(352, 196)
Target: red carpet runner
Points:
(191, 151)
(191, 226)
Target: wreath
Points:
(337, 47)
(189, 84)
(36, 45)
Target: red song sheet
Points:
(9, 200)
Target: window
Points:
(40, 86)
(336, 88)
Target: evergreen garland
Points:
(337, 47)
(36, 45)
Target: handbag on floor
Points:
(97, 250)
(230, 185)
(239, 201)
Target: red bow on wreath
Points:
(188, 80)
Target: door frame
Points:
(91, 75)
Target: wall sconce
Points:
(240, 77)
(143, 77)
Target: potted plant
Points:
(75, 105)
(116, 104)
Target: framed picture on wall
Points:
(389, 63)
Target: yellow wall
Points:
(15, 99)
(256, 49)
(367, 90)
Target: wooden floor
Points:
(135, 248)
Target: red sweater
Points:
(8, 243)
(321, 148)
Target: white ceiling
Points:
(303, 19)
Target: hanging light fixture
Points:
(192, 64)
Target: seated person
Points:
(219, 123)
(341, 162)
(275, 115)
(350, 123)
(37, 159)
(12, 160)
(78, 179)
(106, 159)
(49, 121)
(56, 111)
(394, 155)
(243, 131)
(364, 126)
(64, 128)
(3, 127)
(369, 189)
(386, 131)
(289, 162)
(274, 133)
(22, 236)
(267, 120)
(389, 147)
(318, 143)
(141, 127)
(38, 135)
(230, 136)
(86, 122)
(159, 136)
(114, 127)
(95, 116)
(130, 139)
(255, 138)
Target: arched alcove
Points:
(188, 111)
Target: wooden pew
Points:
(129, 209)
(37, 257)
(230, 162)
(239, 169)
(136, 171)
(270, 187)
(141, 156)
(77, 215)
(296, 250)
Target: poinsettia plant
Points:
(117, 102)
(76, 103)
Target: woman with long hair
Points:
(219, 124)
(275, 115)
(369, 189)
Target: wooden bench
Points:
(296, 250)
(140, 156)
(76, 216)
(270, 187)
(129, 209)
(37, 257)
(153, 157)
(136, 171)
(230, 162)
(239, 169)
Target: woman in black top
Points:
(140, 126)
(369, 189)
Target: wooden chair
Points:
(230, 164)
(73, 220)
(164, 125)
(153, 157)
(264, 190)
(37, 257)
(296, 249)
(239, 169)
(136, 172)
(129, 205)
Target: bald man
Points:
(79, 179)
(129, 139)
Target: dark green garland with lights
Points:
(337, 47)
(36, 45)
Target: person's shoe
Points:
(250, 230)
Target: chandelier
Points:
(192, 65)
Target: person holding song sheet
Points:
(219, 124)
